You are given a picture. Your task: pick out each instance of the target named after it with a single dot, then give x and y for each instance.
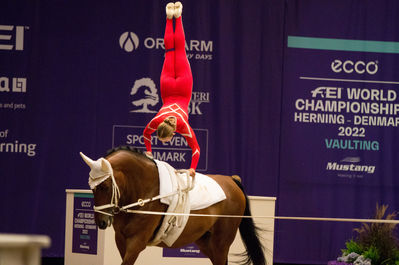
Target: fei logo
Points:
(14, 39)
(359, 67)
(147, 87)
(129, 41)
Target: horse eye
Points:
(102, 187)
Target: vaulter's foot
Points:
(170, 10)
(178, 9)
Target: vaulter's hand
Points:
(191, 171)
(149, 154)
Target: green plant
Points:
(376, 241)
(373, 254)
(352, 246)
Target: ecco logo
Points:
(7, 42)
(86, 204)
(359, 67)
(18, 84)
(129, 41)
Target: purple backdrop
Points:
(73, 77)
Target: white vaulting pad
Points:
(205, 193)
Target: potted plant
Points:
(375, 243)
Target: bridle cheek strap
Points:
(114, 204)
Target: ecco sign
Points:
(359, 67)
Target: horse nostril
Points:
(102, 225)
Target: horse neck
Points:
(140, 179)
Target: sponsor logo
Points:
(15, 146)
(18, 84)
(188, 251)
(327, 92)
(197, 99)
(86, 204)
(144, 93)
(129, 41)
(359, 67)
(84, 246)
(197, 49)
(18, 147)
(12, 37)
(350, 165)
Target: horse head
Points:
(105, 190)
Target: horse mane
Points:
(131, 149)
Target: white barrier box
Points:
(18, 249)
(85, 244)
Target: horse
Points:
(135, 176)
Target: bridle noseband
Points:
(114, 204)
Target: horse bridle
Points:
(114, 204)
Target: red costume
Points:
(176, 89)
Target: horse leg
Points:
(217, 256)
(120, 243)
(134, 245)
(216, 243)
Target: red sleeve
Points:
(192, 142)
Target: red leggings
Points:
(176, 77)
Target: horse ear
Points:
(105, 166)
(88, 161)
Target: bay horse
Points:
(135, 176)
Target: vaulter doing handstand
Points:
(176, 89)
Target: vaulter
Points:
(176, 89)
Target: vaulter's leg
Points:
(184, 76)
(168, 70)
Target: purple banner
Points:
(299, 98)
(339, 124)
(85, 231)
